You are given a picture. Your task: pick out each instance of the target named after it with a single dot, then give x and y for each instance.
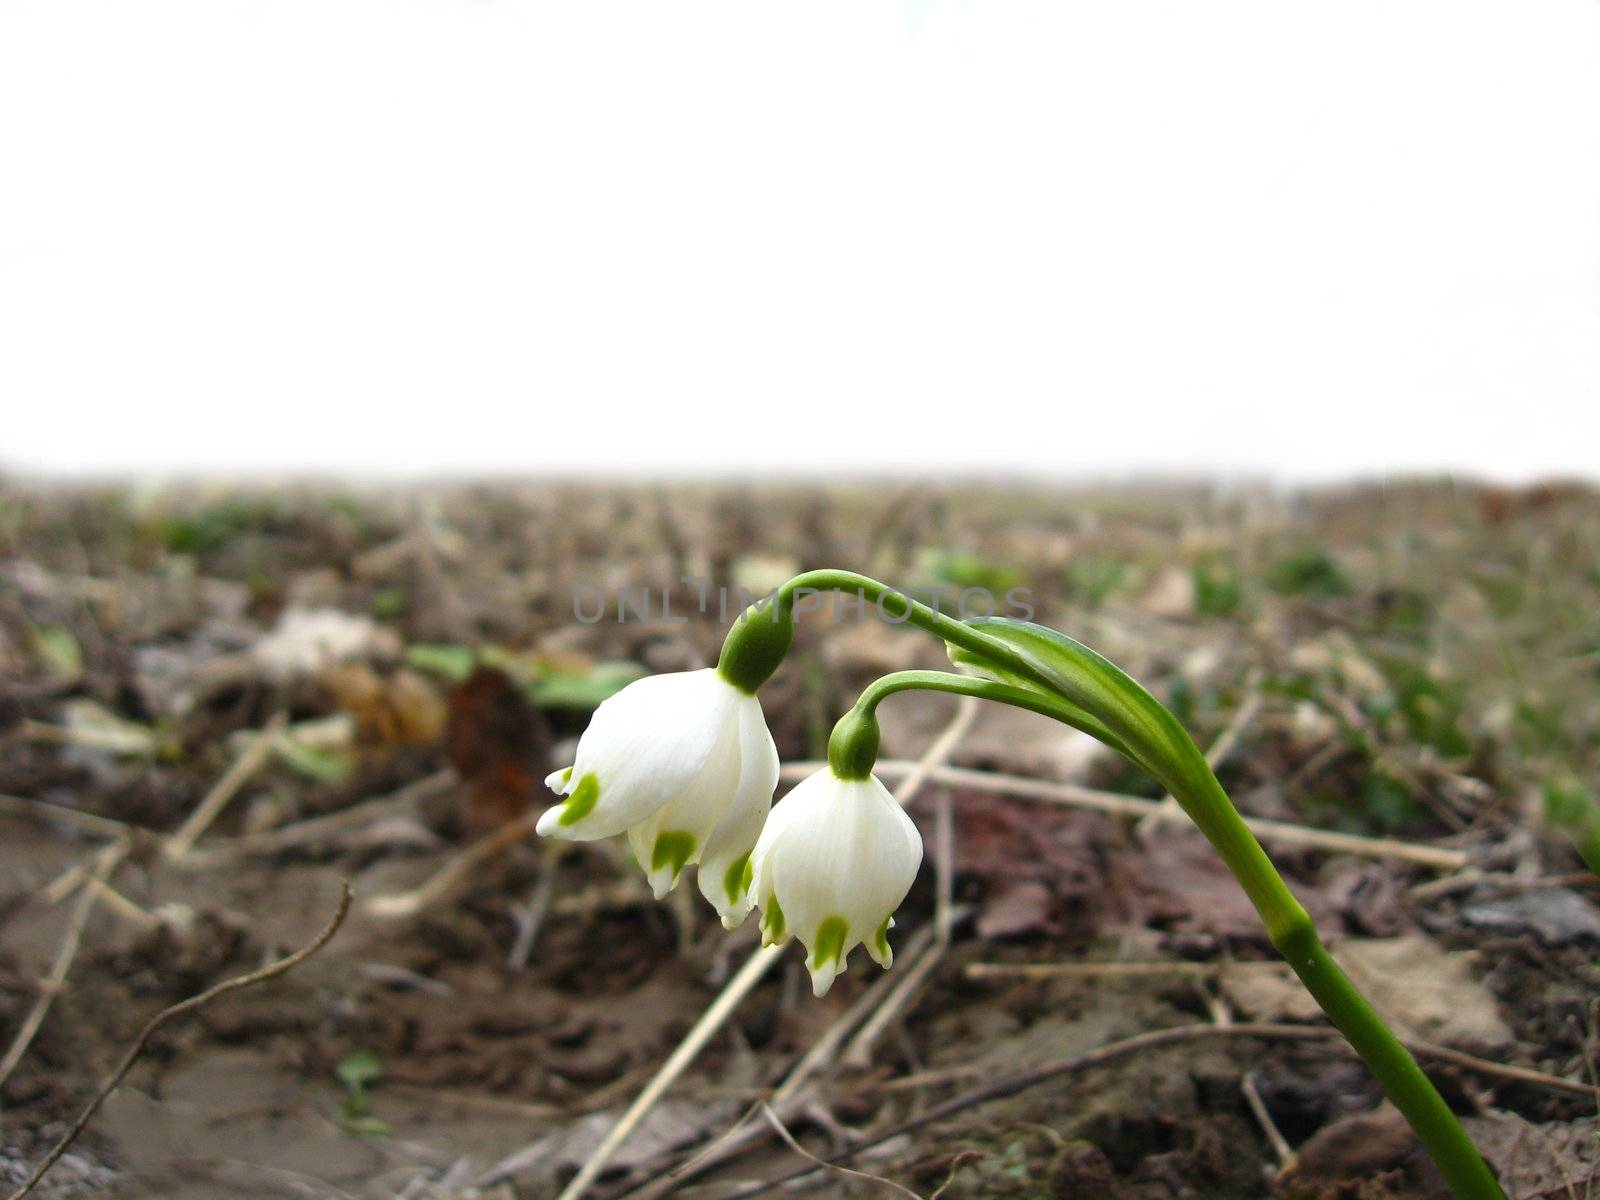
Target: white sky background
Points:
(459, 236)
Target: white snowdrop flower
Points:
(683, 764)
(835, 860)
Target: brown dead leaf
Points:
(1556, 1159)
(499, 744)
(1423, 990)
(1368, 1156)
(1022, 907)
(401, 709)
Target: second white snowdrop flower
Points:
(835, 860)
(683, 764)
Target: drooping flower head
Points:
(835, 860)
(683, 764)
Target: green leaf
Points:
(1308, 573)
(58, 651)
(361, 1125)
(387, 603)
(1094, 580)
(454, 663)
(359, 1068)
(1218, 590)
(583, 689)
(963, 569)
(1433, 709)
(1109, 705)
(315, 762)
(95, 725)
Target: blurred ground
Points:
(364, 684)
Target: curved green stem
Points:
(898, 608)
(1070, 682)
(988, 689)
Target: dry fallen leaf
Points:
(499, 744)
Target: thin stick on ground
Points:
(1281, 1150)
(788, 1139)
(317, 829)
(453, 874)
(176, 1010)
(1273, 833)
(60, 814)
(530, 918)
(105, 863)
(710, 1021)
(791, 1094)
(1258, 1109)
(226, 788)
(122, 906)
(1119, 970)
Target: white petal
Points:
(644, 746)
(728, 849)
(823, 975)
(785, 812)
(688, 820)
(836, 851)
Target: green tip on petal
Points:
(773, 929)
(672, 850)
(582, 801)
(829, 944)
(878, 945)
(827, 955)
(736, 881)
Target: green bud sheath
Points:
(853, 744)
(756, 644)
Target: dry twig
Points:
(449, 877)
(316, 829)
(1279, 833)
(84, 822)
(226, 788)
(105, 863)
(1117, 970)
(788, 1140)
(710, 1021)
(176, 1010)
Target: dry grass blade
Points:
(1272, 833)
(710, 1021)
(176, 1010)
(84, 822)
(105, 863)
(1117, 970)
(226, 788)
(788, 1140)
(317, 829)
(454, 873)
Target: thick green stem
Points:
(1295, 937)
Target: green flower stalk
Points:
(1029, 666)
(683, 764)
